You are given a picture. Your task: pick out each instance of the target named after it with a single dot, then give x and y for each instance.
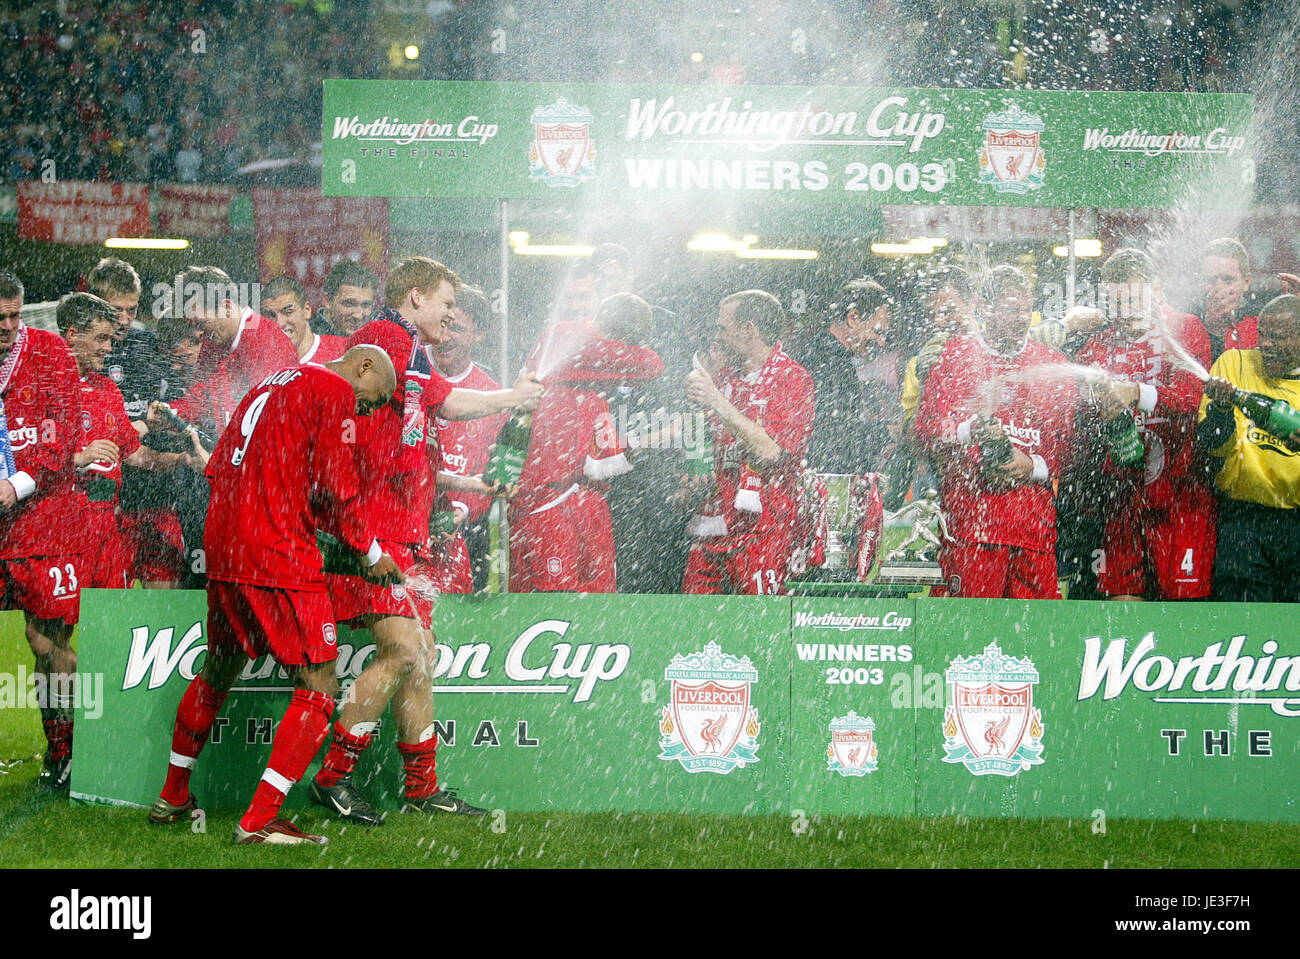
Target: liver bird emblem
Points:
(993, 734)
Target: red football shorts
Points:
(353, 597)
(155, 537)
(568, 547)
(1170, 549)
(998, 572)
(293, 626)
(748, 564)
(46, 587)
(106, 552)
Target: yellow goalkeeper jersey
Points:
(1257, 467)
(911, 397)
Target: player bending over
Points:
(273, 485)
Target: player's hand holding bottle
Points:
(386, 572)
(529, 389)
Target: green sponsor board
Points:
(1143, 709)
(747, 705)
(818, 145)
(542, 702)
(853, 724)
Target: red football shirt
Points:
(573, 421)
(397, 499)
(284, 469)
(103, 417)
(41, 388)
(779, 398)
(1243, 335)
(464, 445)
(259, 349)
(1168, 426)
(325, 348)
(1035, 405)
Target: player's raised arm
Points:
(462, 404)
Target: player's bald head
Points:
(370, 371)
(1279, 335)
(378, 357)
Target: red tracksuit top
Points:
(573, 420)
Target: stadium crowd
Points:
(80, 83)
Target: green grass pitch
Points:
(37, 830)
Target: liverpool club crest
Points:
(1011, 159)
(852, 751)
(991, 725)
(709, 726)
(561, 153)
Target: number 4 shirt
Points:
(283, 469)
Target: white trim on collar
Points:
(243, 322)
(315, 345)
(459, 377)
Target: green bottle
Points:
(182, 426)
(699, 451)
(442, 522)
(101, 489)
(1274, 415)
(509, 451)
(1125, 444)
(336, 557)
(995, 449)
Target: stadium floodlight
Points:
(554, 249)
(753, 253)
(1081, 248)
(719, 243)
(145, 243)
(919, 247)
(519, 243)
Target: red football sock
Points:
(58, 733)
(342, 756)
(421, 772)
(305, 725)
(195, 717)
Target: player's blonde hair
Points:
(416, 273)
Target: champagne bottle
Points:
(336, 557)
(995, 449)
(442, 523)
(1277, 416)
(184, 426)
(100, 489)
(1122, 438)
(699, 451)
(509, 451)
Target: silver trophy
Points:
(908, 566)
